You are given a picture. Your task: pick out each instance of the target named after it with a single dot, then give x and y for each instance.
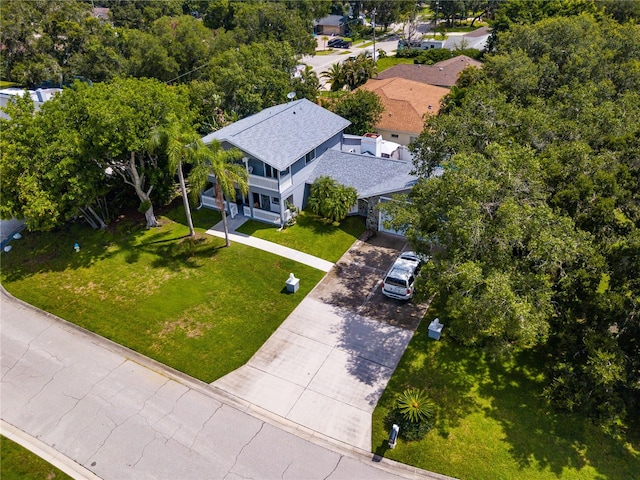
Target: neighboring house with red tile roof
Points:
(406, 102)
(443, 74)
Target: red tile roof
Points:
(406, 102)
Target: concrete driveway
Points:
(328, 363)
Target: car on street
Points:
(399, 281)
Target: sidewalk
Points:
(300, 257)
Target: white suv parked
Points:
(399, 281)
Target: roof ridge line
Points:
(284, 109)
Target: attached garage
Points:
(381, 221)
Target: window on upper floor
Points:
(270, 172)
(309, 157)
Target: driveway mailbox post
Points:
(393, 436)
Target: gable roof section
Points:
(369, 175)
(405, 102)
(331, 20)
(443, 74)
(282, 134)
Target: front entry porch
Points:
(207, 200)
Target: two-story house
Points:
(286, 147)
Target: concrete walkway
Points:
(121, 415)
(300, 257)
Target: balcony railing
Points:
(263, 182)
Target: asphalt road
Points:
(322, 63)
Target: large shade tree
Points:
(96, 137)
(533, 216)
(45, 177)
(271, 65)
(118, 118)
(362, 108)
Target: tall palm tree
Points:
(180, 144)
(213, 159)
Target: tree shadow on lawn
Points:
(41, 252)
(353, 225)
(448, 373)
(203, 218)
(537, 433)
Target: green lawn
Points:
(18, 463)
(311, 235)
(388, 62)
(492, 422)
(190, 304)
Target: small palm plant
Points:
(414, 413)
(415, 406)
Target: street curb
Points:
(47, 453)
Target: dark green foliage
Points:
(331, 200)
(140, 14)
(534, 221)
(270, 63)
(273, 21)
(97, 143)
(414, 413)
(362, 108)
(351, 73)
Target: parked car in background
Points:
(338, 43)
(399, 282)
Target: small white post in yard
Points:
(293, 283)
(393, 436)
(435, 329)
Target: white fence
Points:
(262, 215)
(208, 200)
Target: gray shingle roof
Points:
(369, 175)
(332, 20)
(282, 134)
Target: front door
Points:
(265, 201)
